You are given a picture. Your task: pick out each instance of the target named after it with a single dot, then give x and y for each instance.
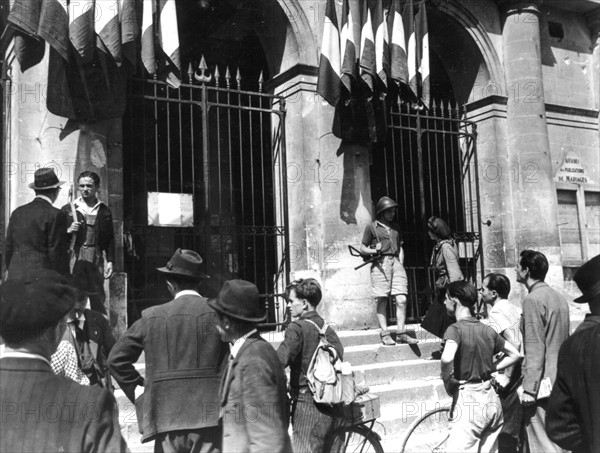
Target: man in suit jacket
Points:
(545, 326)
(573, 418)
(254, 405)
(42, 412)
(178, 400)
(36, 238)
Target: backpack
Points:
(330, 380)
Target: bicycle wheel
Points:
(357, 439)
(429, 433)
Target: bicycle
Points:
(355, 433)
(429, 433)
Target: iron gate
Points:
(223, 148)
(429, 166)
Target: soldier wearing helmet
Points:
(388, 277)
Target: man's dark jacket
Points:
(103, 230)
(299, 345)
(573, 412)
(36, 239)
(100, 338)
(43, 412)
(185, 359)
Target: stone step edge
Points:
(392, 364)
(371, 346)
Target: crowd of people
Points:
(211, 383)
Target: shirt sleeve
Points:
(368, 236)
(452, 333)
(498, 321)
(291, 345)
(124, 354)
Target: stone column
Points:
(530, 203)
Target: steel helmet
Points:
(384, 204)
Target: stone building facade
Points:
(526, 73)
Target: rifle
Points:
(72, 256)
(368, 259)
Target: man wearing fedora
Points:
(42, 412)
(177, 402)
(254, 404)
(36, 237)
(573, 417)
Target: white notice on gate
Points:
(170, 209)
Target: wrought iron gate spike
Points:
(217, 75)
(204, 76)
(261, 80)
(190, 73)
(238, 79)
(228, 77)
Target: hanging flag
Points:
(381, 37)
(399, 69)
(367, 46)
(81, 29)
(54, 26)
(108, 28)
(129, 32)
(168, 37)
(24, 18)
(329, 81)
(408, 17)
(148, 51)
(348, 48)
(422, 53)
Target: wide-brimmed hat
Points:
(439, 227)
(239, 299)
(587, 278)
(45, 179)
(35, 303)
(185, 263)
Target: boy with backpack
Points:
(313, 424)
(388, 277)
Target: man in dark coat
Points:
(254, 405)
(313, 424)
(36, 238)
(42, 412)
(178, 400)
(573, 417)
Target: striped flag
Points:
(348, 48)
(381, 38)
(54, 26)
(367, 46)
(399, 68)
(422, 64)
(148, 50)
(129, 32)
(329, 81)
(108, 28)
(81, 29)
(168, 37)
(24, 18)
(418, 51)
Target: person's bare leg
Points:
(382, 319)
(402, 337)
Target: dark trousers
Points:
(313, 426)
(204, 440)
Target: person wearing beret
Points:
(573, 416)
(42, 412)
(253, 395)
(36, 237)
(445, 266)
(177, 402)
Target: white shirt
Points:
(83, 207)
(235, 347)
